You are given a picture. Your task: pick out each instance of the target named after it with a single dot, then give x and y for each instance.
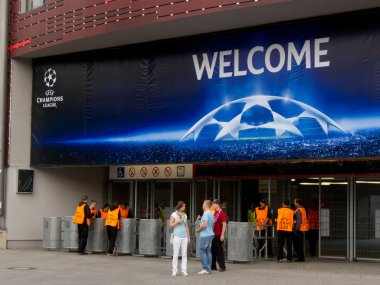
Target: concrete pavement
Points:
(55, 268)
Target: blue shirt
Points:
(179, 230)
(209, 230)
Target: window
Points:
(28, 5)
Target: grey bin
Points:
(97, 236)
(70, 238)
(51, 233)
(240, 241)
(150, 237)
(126, 237)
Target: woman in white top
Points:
(181, 237)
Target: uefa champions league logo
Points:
(280, 123)
(51, 100)
(50, 77)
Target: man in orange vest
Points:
(263, 219)
(313, 232)
(103, 212)
(112, 224)
(82, 213)
(301, 227)
(125, 212)
(93, 211)
(284, 231)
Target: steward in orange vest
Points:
(313, 232)
(103, 212)
(125, 212)
(112, 224)
(82, 213)
(284, 231)
(93, 211)
(263, 218)
(301, 227)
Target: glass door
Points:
(334, 218)
(367, 219)
(229, 193)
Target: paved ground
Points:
(53, 268)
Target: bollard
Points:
(51, 233)
(126, 237)
(150, 237)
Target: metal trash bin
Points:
(240, 241)
(150, 237)
(51, 233)
(126, 237)
(97, 236)
(70, 238)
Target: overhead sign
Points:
(305, 90)
(161, 171)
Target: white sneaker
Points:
(184, 273)
(203, 272)
(174, 274)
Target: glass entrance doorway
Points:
(367, 221)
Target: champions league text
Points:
(274, 58)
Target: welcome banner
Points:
(305, 90)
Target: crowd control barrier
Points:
(240, 241)
(97, 236)
(51, 233)
(69, 235)
(150, 237)
(126, 237)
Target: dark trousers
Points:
(261, 243)
(83, 235)
(313, 239)
(217, 252)
(282, 237)
(112, 235)
(298, 244)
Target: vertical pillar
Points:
(351, 220)
(4, 5)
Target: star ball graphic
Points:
(274, 120)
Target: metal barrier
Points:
(97, 236)
(51, 233)
(69, 235)
(267, 238)
(150, 237)
(126, 237)
(240, 242)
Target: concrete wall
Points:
(56, 190)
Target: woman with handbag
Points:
(180, 237)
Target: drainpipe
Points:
(4, 5)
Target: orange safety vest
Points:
(304, 224)
(285, 220)
(313, 219)
(124, 212)
(113, 218)
(92, 212)
(261, 217)
(79, 215)
(103, 214)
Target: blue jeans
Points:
(205, 252)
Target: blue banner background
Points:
(134, 104)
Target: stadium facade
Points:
(187, 100)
